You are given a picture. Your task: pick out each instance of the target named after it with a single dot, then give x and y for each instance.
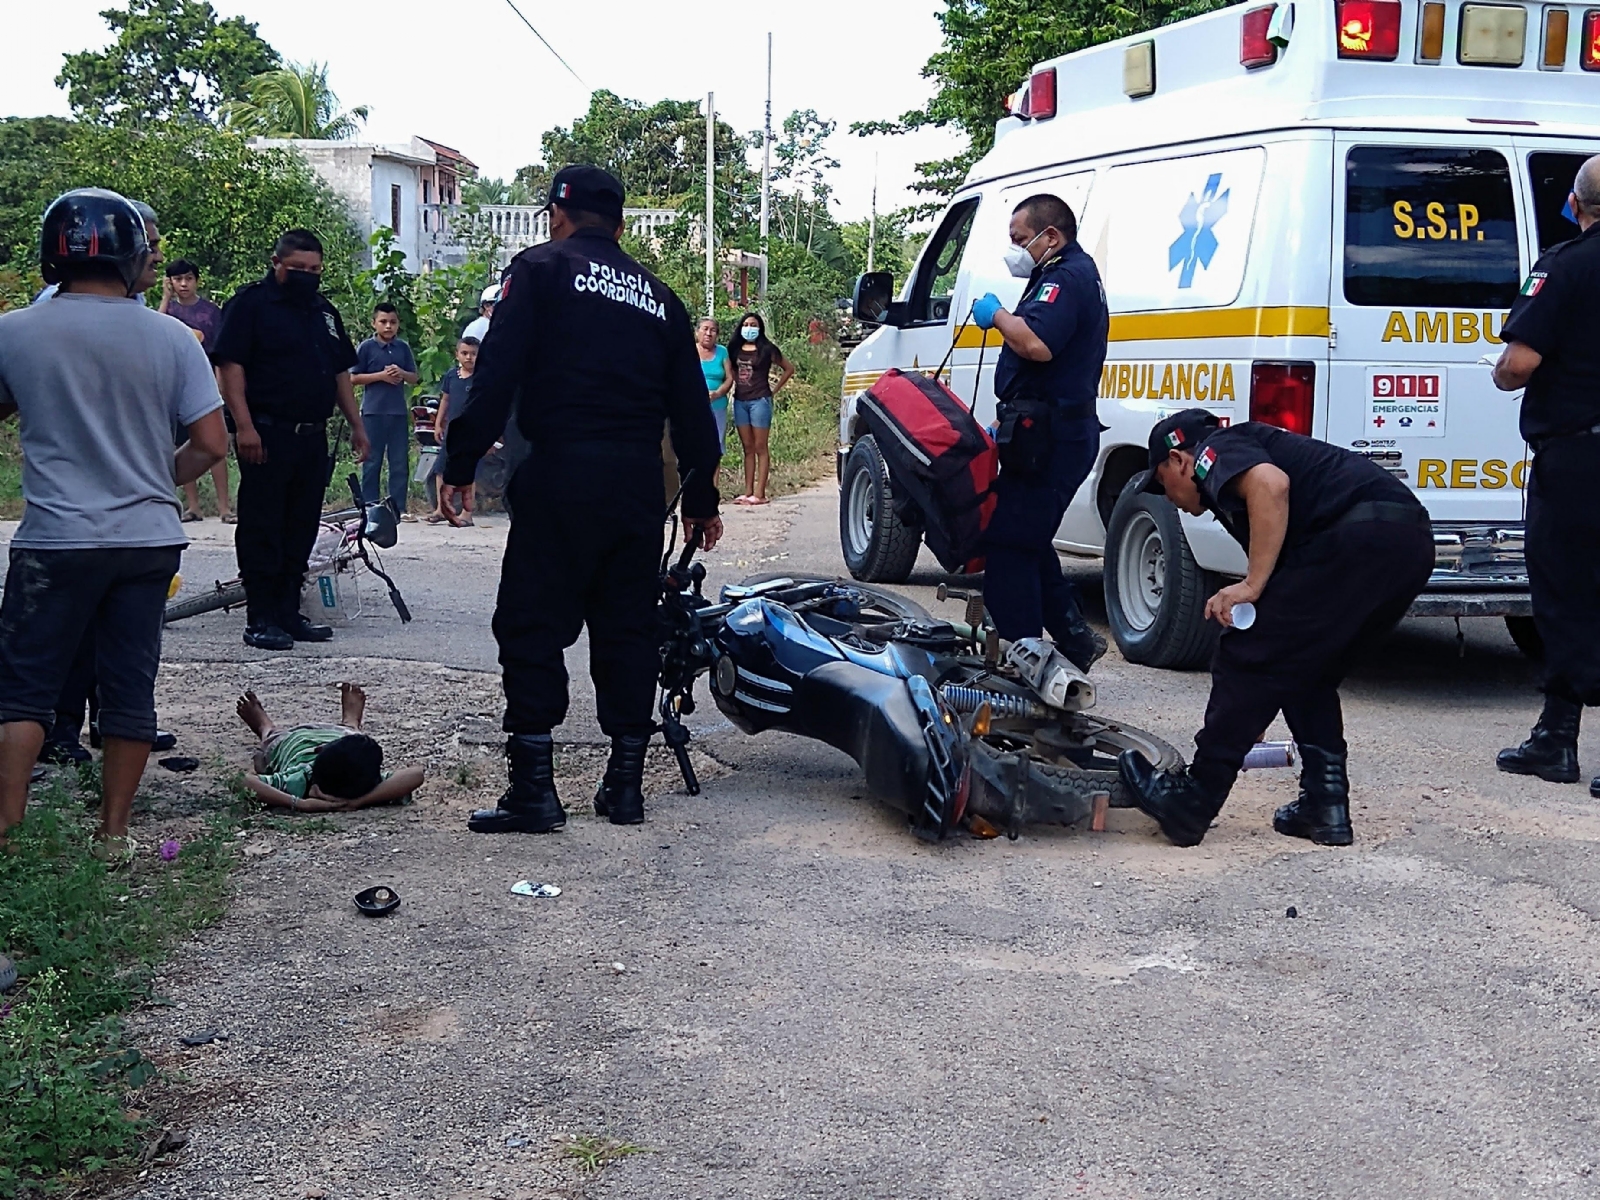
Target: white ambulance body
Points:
(1323, 229)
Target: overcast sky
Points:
(469, 74)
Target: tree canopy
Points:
(293, 101)
(170, 60)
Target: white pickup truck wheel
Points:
(878, 547)
(1155, 592)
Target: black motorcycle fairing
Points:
(871, 718)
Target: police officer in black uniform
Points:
(599, 355)
(1552, 351)
(283, 360)
(1046, 382)
(1338, 549)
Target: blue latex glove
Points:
(984, 309)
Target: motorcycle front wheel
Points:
(1070, 760)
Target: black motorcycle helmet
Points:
(93, 225)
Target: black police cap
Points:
(588, 189)
(1181, 431)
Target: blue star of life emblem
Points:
(1197, 244)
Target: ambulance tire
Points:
(878, 546)
(1155, 592)
(1526, 635)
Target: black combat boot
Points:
(1177, 801)
(530, 803)
(1083, 646)
(620, 796)
(1551, 751)
(1322, 813)
(295, 623)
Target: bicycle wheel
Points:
(224, 595)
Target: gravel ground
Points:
(773, 991)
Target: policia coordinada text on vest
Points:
(599, 355)
(1552, 352)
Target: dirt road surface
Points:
(772, 990)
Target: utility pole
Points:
(766, 179)
(872, 227)
(711, 204)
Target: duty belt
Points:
(1394, 512)
(1541, 443)
(296, 427)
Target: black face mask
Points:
(301, 285)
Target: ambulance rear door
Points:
(1429, 250)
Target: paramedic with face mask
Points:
(1046, 382)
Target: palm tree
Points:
(293, 102)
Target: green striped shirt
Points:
(289, 758)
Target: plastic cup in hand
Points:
(1244, 615)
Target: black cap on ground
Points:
(1181, 431)
(588, 189)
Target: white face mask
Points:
(1018, 261)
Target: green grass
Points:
(85, 940)
(592, 1151)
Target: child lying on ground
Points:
(322, 768)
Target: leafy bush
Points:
(84, 939)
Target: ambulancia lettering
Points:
(1444, 327)
(1191, 381)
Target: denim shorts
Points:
(756, 413)
(52, 598)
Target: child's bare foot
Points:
(254, 714)
(352, 705)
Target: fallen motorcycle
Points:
(950, 725)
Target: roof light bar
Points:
(1255, 47)
(1492, 35)
(1557, 22)
(1042, 94)
(1430, 33)
(1369, 29)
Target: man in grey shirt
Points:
(99, 382)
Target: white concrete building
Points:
(382, 184)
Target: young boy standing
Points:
(99, 382)
(181, 298)
(452, 399)
(384, 369)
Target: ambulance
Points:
(1314, 213)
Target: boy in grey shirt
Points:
(98, 382)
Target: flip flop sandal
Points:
(758, 500)
(229, 519)
(436, 519)
(191, 515)
(116, 852)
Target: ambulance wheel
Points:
(878, 547)
(1155, 592)
(1526, 635)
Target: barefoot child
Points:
(322, 768)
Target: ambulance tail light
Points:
(1369, 29)
(1041, 99)
(1255, 48)
(1589, 60)
(1283, 394)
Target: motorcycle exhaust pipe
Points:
(1001, 704)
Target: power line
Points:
(547, 45)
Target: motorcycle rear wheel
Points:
(1071, 760)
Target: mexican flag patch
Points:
(1203, 464)
(1048, 293)
(1174, 439)
(1533, 284)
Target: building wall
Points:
(386, 174)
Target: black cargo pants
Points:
(1328, 602)
(584, 549)
(1563, 550)
(279, 509)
